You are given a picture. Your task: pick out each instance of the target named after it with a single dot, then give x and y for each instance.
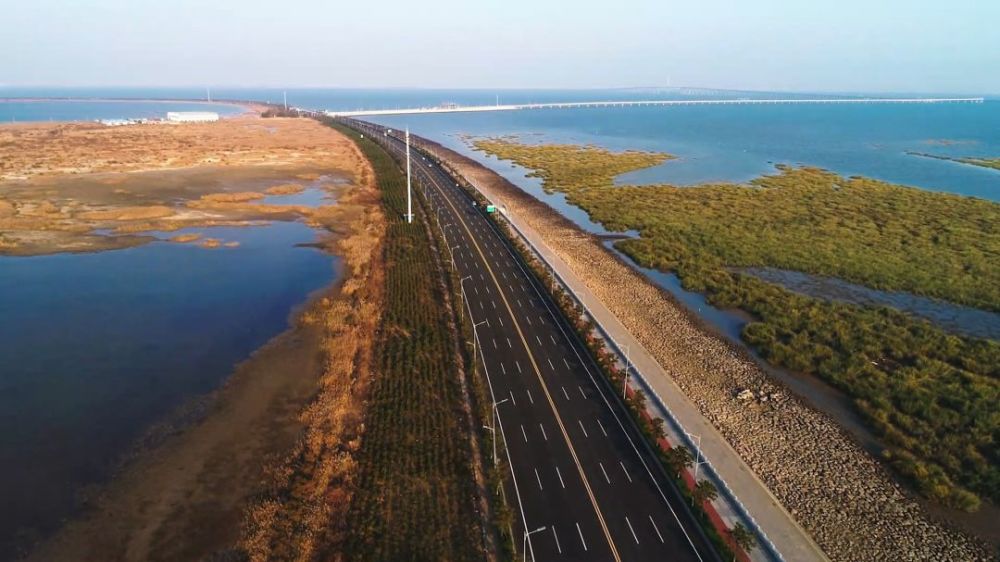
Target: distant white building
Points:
(115, 122)
(192, 116)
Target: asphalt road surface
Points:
(583, 482)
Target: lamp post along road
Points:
(409, 198)
(494, 422)
(628, 365)
(475, 337)
(465, 299)
(527, 543)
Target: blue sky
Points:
(843, 45)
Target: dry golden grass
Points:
(128, 213)
(309, 492)
(32, 150)
(285, 189)
(6, 208)
(210, 243)
(77, 178)
(238, 197)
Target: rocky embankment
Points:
(841, 495)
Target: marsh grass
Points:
(285, 189)
(931, 396)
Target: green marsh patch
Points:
(930, 395)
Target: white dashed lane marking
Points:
(655, 528)
(631, 529)
(625, 470)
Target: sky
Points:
(778, 45)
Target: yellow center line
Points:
(538, 373)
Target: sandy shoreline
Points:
(248, 106)
(831, 486)
(189, 489)
(191, 495)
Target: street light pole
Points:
(444, 231)
(628, 365)
(409, 203)
(493, 429)
(465, 299)
(527, 543)
(475, 338)
(698, 459)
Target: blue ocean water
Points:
(82, 110)
(712, 143)
(740, 142)
(96, 347)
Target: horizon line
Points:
(495, 89)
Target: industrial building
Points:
(192, 116)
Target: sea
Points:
(94, 348)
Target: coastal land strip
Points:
(842, 496)
(991, 163)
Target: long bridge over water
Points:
(453, 108)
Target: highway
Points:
(582, 481)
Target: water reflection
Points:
(951, 317)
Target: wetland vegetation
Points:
(972, 161)
(930, 395)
